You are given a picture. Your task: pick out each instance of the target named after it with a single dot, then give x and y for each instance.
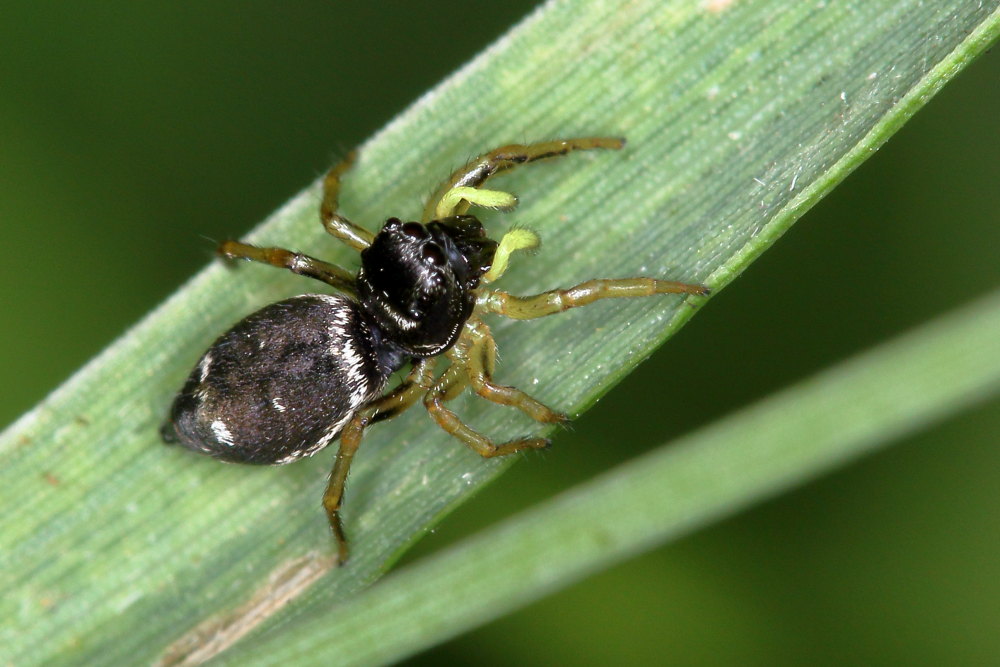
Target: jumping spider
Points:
(287, 380)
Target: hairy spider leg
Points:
(444, 202)
(393, 403)
(296, 262)
(479, 363)
(335, 224)
(445, 389)
(558, 300)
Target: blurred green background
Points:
(132, 135)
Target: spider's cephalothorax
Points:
(291, 378)
(416, 281)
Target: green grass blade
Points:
(739, 115)
(858, 405)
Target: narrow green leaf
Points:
(863, 403)
(740, 115)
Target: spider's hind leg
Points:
(455, 195)
(389, 405)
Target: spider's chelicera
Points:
(289, 379)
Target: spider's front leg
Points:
(461, 189)
(304, 265)
(390, 405)
(556, 301)
(296, 262)
(335, 224)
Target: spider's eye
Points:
(415, 230)
(433, 254)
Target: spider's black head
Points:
(416, 280)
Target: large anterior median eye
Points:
(433, 254)
(415, 230)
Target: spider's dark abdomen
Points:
(283, 382)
